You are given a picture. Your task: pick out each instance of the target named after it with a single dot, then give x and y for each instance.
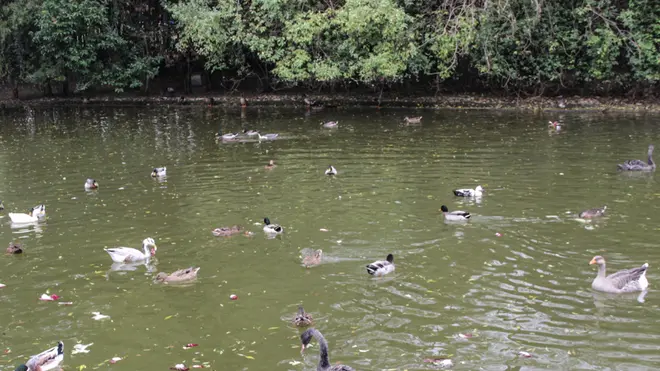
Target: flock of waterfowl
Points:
(629, 280)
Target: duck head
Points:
(266, 221)
(149, 242)
(479, 189)
(162, 276)
(444, 209)
(390, 258)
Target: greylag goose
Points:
(455, 216)
(47, 360)
(466, 192)
(381, 267)
(302, 318)
(627, 280)
(593, 213)
(639, 165)
(324, 362)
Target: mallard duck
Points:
(272, 228)
(639, 165)
(243, 101)
(225, 137)
(324, 362)
(33, 215)
(330, 124)
(593, 213)
(313, 259)
(302, 318)
(182, 275)
(331, 170)
(227, 231)
(91, 184)
(628, 280)
(15, 248)
(466, 192)
(250, 133)
(381, 267)
(131, 255)
(271, 165)
(413, 120)
(159, 172)
(455, 215)
(46, 360)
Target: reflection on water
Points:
(515, 277)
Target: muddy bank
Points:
(344, 100)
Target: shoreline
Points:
(451, 101)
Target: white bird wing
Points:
(125, 254)
(21, 218)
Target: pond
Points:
(514, 279)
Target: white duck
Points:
(467, 192)
(91, 184)
(131, 255)
(381, 267)
(455, 215)
(159, 171)
(331, 170)
(272, 228)
(46, 360)
(33, 215)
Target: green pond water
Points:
(528, 289)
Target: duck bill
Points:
(153, 250)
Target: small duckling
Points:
(313, 259)
(91, 184)
(302, 318)
(271, 165)
(15, 248)
(182, 275)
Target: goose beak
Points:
(593, 261)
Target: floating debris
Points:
(98, 316)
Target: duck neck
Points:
(601, 270)
(324, 362)
(147, 253)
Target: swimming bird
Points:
(182, 275)
(466, 192)
(639, 165)
(455, 215)
(15, 248)
(593, 213)
(302, 318)
(271, 165)
(381, 267)
(413, 120)
(331, 170)
(159, 171)
(268, 136)
(324, 362)
(313, 259)
(46, 360)
(131, 255)
(228, 136)
(272, 228)
(91, 184)
(33, 215)
(2, 205)
(227, 231)
(330, 124)
(628, 280)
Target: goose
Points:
(268, 136)
(271, 165)
(302, 318)
(272, 228)
(639, 165)
(324, 362)
(33, 215)
(131, 255)
(593, 213)
(331, 170)
(381, 267)
(159, 171)
(227, 231)
(466, 192)
(413, 120)
(46, 360)
(455, 215)
(182, 275)
(313, 259)
(627, 280)
(330, 124)
(15, 248)
(91, 184)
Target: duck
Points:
(413, 120)
(331, 170)
(271, 165)
(302, 318)
(243, 101)
(272, 228)
(250, 133)
(131, 255)
(455, 215)
(228, 136)
(91, 184)
(313, 259)
(2, 205)
(330, 124)
(639, 165)
(33, 215)
(15, 248)
(159, 172)
(268, 136)
(628, 280)
(227, 231)
(324, 362)
(466, 192)
(47, 360)
(182, 275)
(381, 267)
(593, 213)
